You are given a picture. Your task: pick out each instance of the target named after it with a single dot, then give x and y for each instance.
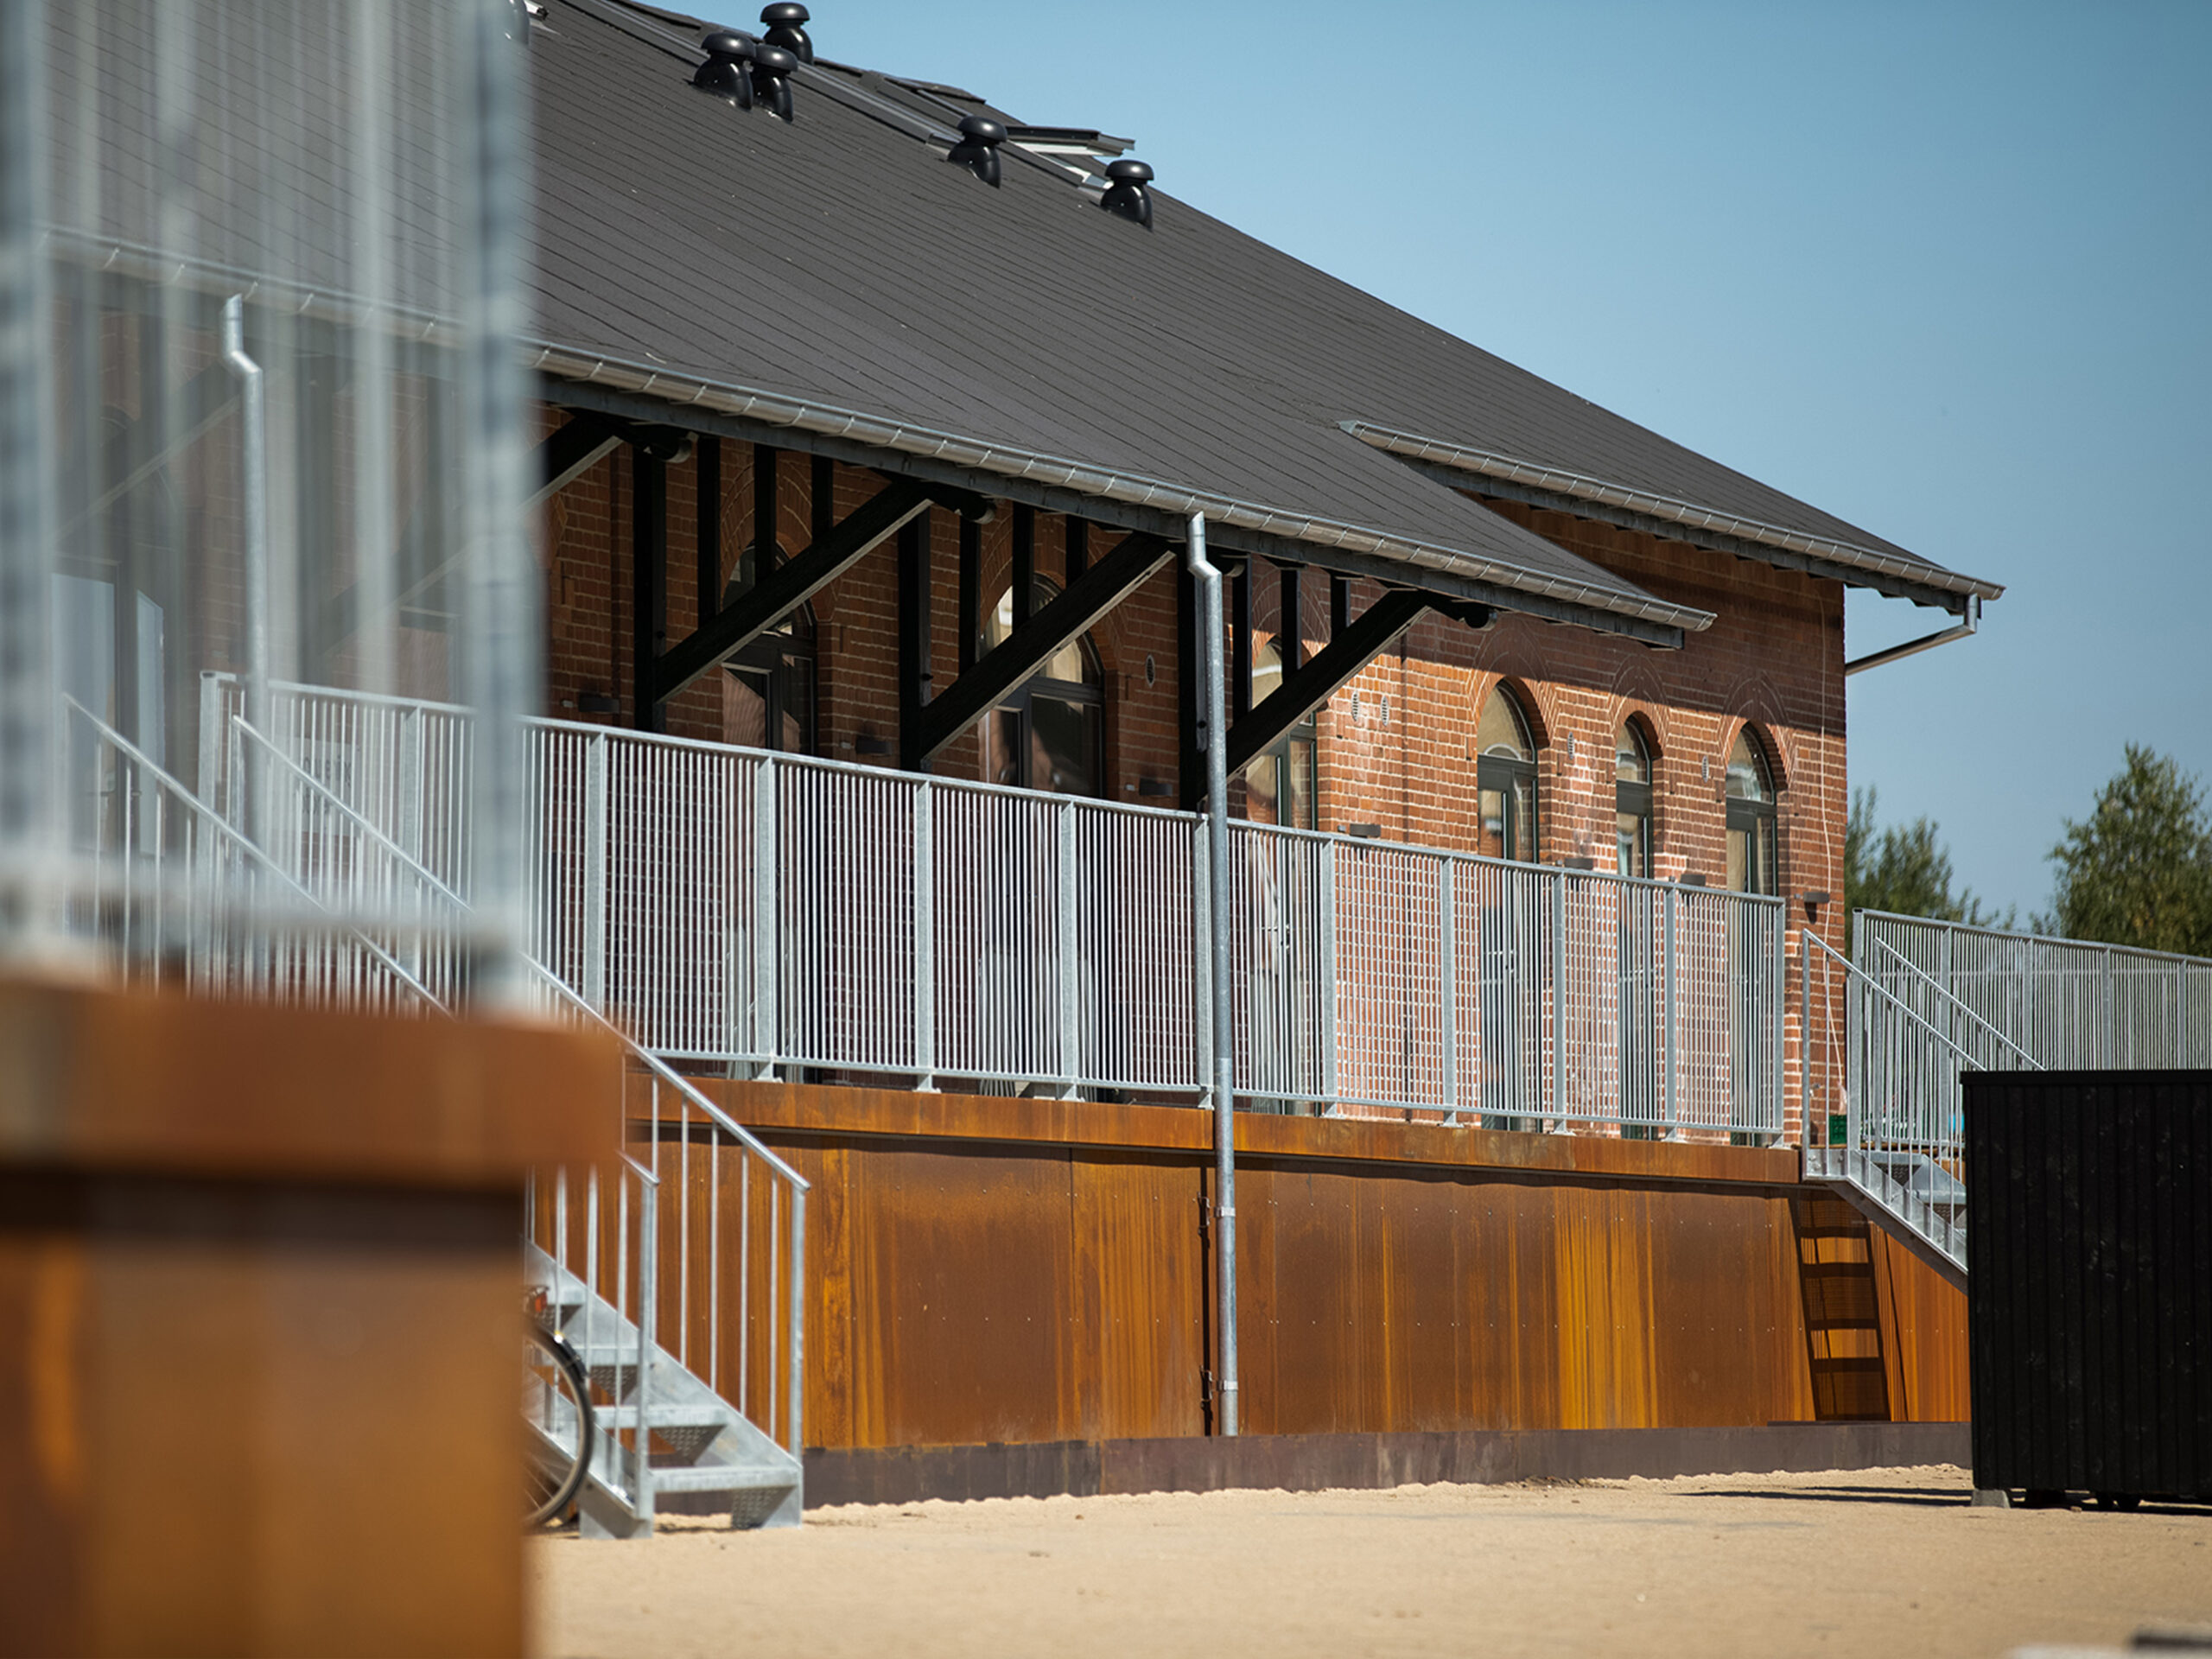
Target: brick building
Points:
(871, 435)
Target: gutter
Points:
(1158, 495)
(1486, 463)
(1914, 647)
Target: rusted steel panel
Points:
(963, 1285)
(1140, 1265)
(1924, 1333)
(971, 1280)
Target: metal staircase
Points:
(1900, 1157)
(670, 1437)
(701, 1455)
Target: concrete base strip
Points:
(1305, 1463)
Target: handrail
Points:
(138, 757)
(1854, 970)
(355, 817)
(721, 1119)
(2050, 941)
(1920, 974)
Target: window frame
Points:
(1088, 695)
(785, 656)
(1507, 776)
(1757, 821)
(1305, 733)
(1633, 799)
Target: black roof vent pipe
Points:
(1125, 194)
(786, 27)
(978, 149)
(772, 69)
(727, 72)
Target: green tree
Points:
(1904, 869)
(2139, 871)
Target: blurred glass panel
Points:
(281, 484)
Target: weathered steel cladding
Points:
(2089, 1252)
(1022, 1271)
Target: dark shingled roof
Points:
(836, 274)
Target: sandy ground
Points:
(1882, 1561)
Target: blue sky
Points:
(1945, 270)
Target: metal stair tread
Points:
(669, 1414)
(722, 1477)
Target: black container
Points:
(2089, 1281)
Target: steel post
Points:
(925, 883)
(1329, 975)
(1558, 1101)
(1673, 1125)
(1071, 1003)
(1447, 987)
(766, 957)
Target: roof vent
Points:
(773, 68)
(1127, 194)
(725, 73)
(786, 27)
(978, 149)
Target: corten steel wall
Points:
(990, 1269)
(2090, 1246)
(1396, 745)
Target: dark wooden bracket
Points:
(790, 584)
(1032, 643)
(581, 443)
(1301, 693)
(1355, 645)
(914, 675)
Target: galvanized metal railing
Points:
(2063, 1003)
(766, 914)
(1370, 974)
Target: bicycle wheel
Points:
(558, 1424)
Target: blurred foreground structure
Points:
(262, 1150)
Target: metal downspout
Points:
(1213, 739)
(255, 434)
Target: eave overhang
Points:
(1485, 471)
(1327, 543)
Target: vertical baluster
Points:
(766, 941)
(1069, 1011)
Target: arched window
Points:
(1505, 779)
(1279, 786)
(1049, 735)
(1632, 799)
(1753, 865)
(768, 696)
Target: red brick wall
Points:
(1773, 657)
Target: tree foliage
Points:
(2138, 870)
(1904, 869)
